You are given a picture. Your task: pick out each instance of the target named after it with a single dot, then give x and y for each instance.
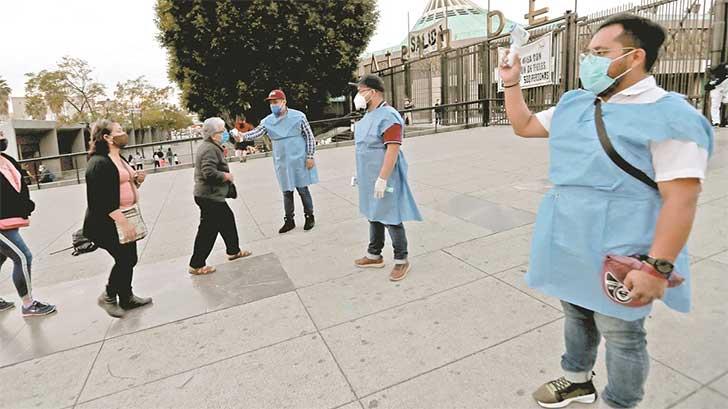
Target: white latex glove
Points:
(379, 187)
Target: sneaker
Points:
(38, 309)
(366, 262)
(289, 225)
(560, 393)
(108, 304)
(6, 305)
(310, 222)
(134, 302)
(399, 272)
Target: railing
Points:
(480, 112)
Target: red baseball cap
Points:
(276, 94)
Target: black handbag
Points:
(613, 155)
(232, 192)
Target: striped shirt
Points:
(306, 132)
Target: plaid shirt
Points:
(306, 132)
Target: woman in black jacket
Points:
(15, 209)
(111, 186)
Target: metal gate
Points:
(696, 38)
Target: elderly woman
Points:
(111, 188)
(214, 184)
(15, 209)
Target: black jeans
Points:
(306, 199)
(125, 258)
(215, 217)
(396, 233)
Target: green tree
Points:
(70, 84)
(4, 97)
(227, 54)
(139, 104)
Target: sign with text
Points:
(537, 66)
(428, 40)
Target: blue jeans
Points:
(627, 360)
(305, 199)
(13, 247)
(396, 233)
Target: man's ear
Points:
(641, 56)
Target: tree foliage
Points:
(226, 55)
(72, 95)
(69, 92)
(139, 104)
(4, 97)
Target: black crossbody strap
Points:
(613, 155)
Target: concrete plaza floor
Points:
(297, 326)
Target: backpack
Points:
(81, 244)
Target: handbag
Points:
(613, 154)
(13, 223)
(614, 272)
(232, 192)
(134, 216)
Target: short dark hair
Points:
(639, 32)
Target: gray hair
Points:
(211, 126)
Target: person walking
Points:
(15, 210)
(111, 189)
(626, 161)
(385, 198)
(139, 161)
(717, 86)
(294, 146)
(214, 184)
(242, 125)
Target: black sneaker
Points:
(108, 304)
(310, 222)
(289, 225)
(6, 305)
(560, 393)
(38, 309)
(134, 302)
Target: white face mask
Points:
(360, 102)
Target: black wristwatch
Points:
(662, 266)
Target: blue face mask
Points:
(275, 109)
(593, 72)
(225, 137)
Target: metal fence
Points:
(696, 40)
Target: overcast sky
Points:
(117, 37)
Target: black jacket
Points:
(12, 202)
(102, 198)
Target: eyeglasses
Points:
(601, 52)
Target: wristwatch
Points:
(663, 267)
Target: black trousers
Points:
(125, 258)
(215, 217)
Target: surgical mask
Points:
(225, 137)
(120, 140)
(360, 102)
(593, 72)
(3, 145)
(276, 109)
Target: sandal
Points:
(201, 271)
(241, 254)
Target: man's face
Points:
(365, 92)
(278, 102)
(606, 43)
